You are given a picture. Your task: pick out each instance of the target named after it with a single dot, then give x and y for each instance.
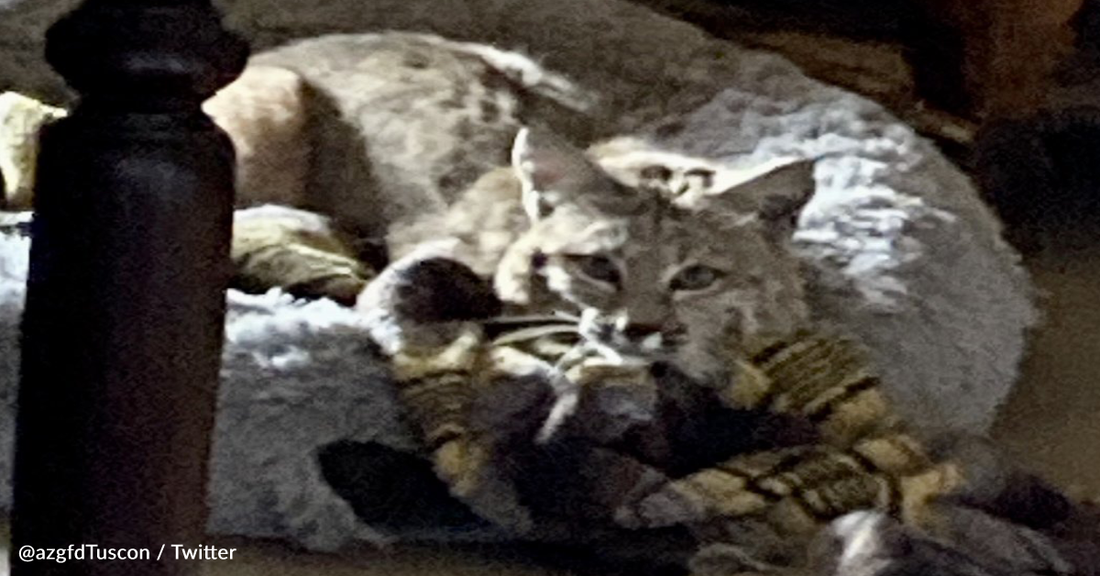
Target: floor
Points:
(1053, 421)
(270, 558)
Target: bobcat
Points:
(639, 266)
(894, 247)
(683, 297)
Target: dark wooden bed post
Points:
(123, 327)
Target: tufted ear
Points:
(551, 170)
(776, 192)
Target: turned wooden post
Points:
(123, 325)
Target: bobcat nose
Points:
(637, 331)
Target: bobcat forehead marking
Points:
(665, 262)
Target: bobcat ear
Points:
(551, 170)
(775, 192)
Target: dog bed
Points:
(896, 240)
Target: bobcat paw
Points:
(441, 290)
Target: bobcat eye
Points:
(656, 173)
(701, 177)
(697, 277)
(599, 268)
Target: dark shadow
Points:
(392, 490)
(1042, 175)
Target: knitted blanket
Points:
(749, 496)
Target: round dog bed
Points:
(897, 246)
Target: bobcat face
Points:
(658, 276)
